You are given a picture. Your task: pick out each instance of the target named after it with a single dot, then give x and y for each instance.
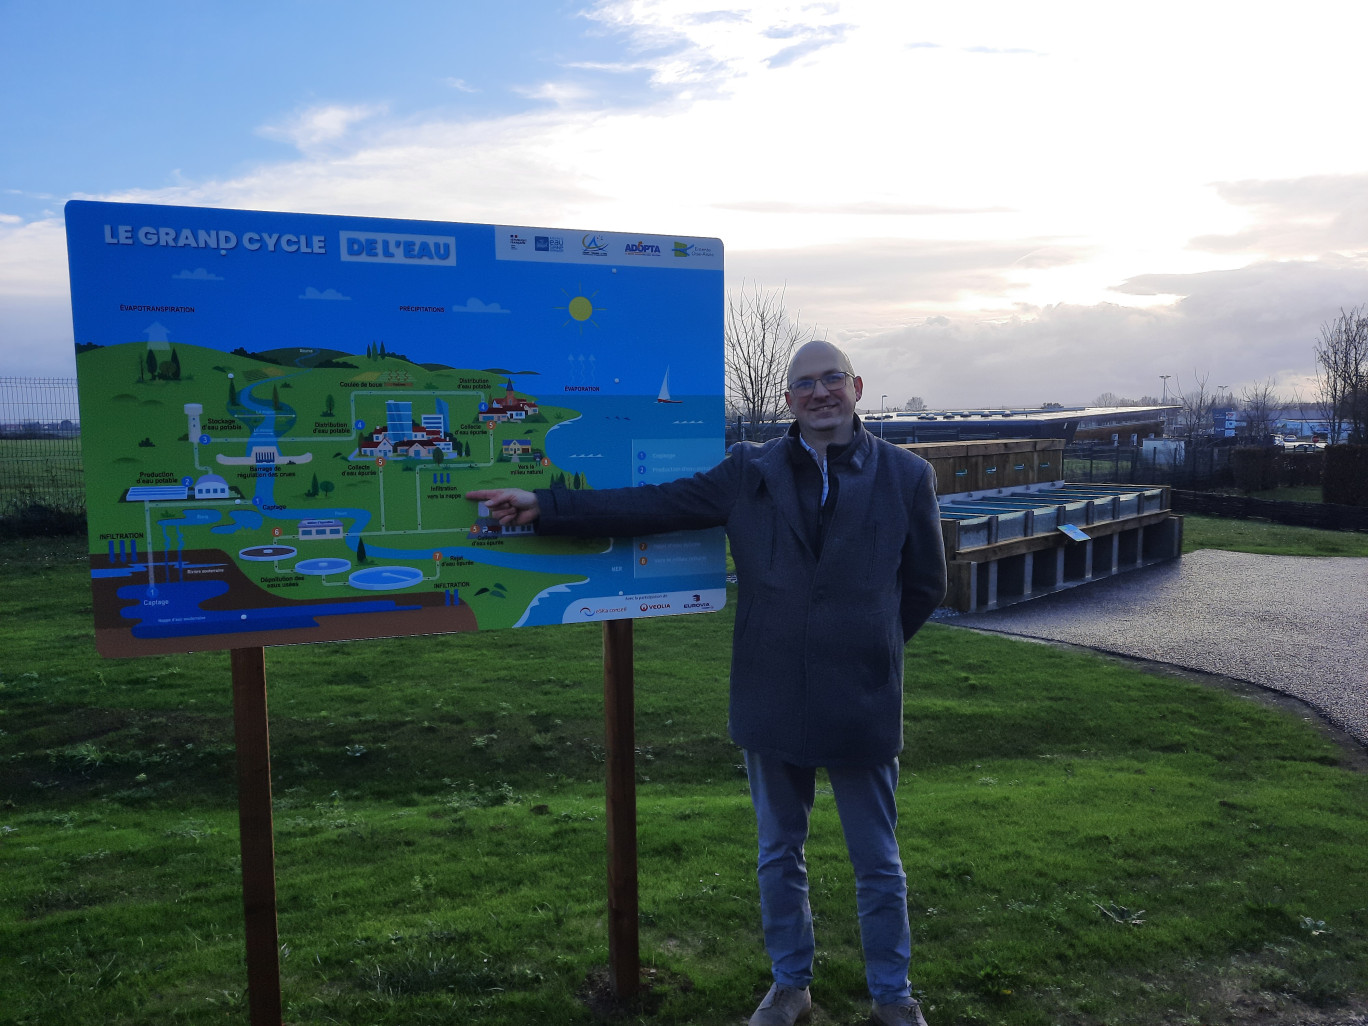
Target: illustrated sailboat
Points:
(664, 396)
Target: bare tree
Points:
(1342, 373)
(1263, 408)
(915, 405)
(1112, 399)
(1196, 407)
(760, 338)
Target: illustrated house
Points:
(510, 407)
(517, 448)
(380, 444)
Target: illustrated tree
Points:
(326, 487)
(232, 393)
(151, 364)
(438, 456)
(328, 406)
(360, 550)
(175, 366)
(275, 397)
(758, 341)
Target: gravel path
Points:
(1297, 625)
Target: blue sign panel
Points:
(281, 414)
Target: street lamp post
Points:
(1164, 378)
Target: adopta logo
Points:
(642, 249)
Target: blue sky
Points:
(126, 95)
(988, 204)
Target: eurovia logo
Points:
(593, 245)
(641, 249)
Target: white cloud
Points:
(332, 294)
(1013, 205)
(1240, 327)
(313, 127)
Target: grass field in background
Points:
(1292, 493)
(43, 471)
(1085, 843)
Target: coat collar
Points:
(856, 452)
(778, 476)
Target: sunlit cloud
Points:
(308, 129)
(1005, 207)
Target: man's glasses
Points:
(833, 382)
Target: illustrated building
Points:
(509, 407)
(321, 528)
(211, 486)
(401, 436)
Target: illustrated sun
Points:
(580, 308)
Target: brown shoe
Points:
(783, 1006)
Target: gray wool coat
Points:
(817, 653)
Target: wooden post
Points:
(619, 723)
(253, 738)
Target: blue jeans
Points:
(782, 795)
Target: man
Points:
(837, 543)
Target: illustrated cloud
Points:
(474, 305)
(313, 293)
(198, 274)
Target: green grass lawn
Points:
(1260, 536)
(1085, 843)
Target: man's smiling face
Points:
(825, 412)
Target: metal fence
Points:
(40, 446)
(1199, 467)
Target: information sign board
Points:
(281, 414)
